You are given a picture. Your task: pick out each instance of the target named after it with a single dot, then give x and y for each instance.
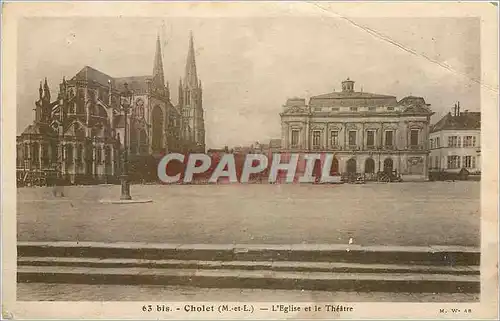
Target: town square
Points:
(195, 154)
(426, 213)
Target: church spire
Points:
(190, 77)
(46, 90)
(158, 78)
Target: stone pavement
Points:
(403, 214)
(82, 292)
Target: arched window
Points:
(335, 166)
(107, 155)
(79, 153)
(388, 165)
(157, 139)
(369, 165)
(69, 154)
(36, 153)
(351, 165)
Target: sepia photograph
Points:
(210, 163)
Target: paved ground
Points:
(427, 213)
(77, 292)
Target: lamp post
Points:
(125, 103)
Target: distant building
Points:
(80, 133)
(275, 145)
(366, 132)
(455, 142)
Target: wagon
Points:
(389, 177)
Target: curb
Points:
(361, 282)
(428, 255)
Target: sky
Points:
(250, 66)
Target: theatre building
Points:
(366, 132)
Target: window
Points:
(453, 162)
(316, 138)
(370, 138)
(352, 138)
(36, 153)
(414, 137)
(317, 108)
(431, 143)
(436, 162)
(45, 154)
(453, 141)
(334, 138)
(26, 151)
(469, 161)
(390, 108)
(55, 152)
(335, 109)
(353, 108)
(437, 142)
(372, 108)
(389, 138)
(469, 141)
(69, 154)
(79, 153)
(107, 155)
(295, 138)
(98, 155)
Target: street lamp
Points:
(125, 104)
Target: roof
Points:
(135, 83)
(38, 129)
(350, 95)
(91, 74)
(275, 143)
(466, 120)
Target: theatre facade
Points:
(366, 132)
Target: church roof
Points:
(466, 120)
(93, 75)
(38, 129)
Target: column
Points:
(344, 129)
(363, 136)
(308, 134)
(94, 159)
(62, 150)
(285, 141)
(426, 167)
(112, 157)
(327, 131)
(75, 158)
(40, 149)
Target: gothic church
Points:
(80, 134)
